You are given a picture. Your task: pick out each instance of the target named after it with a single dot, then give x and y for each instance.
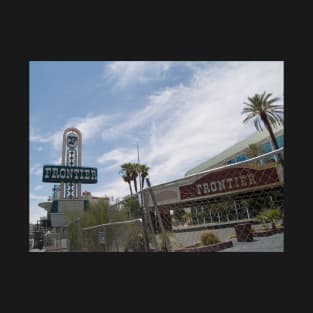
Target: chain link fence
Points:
(124, 236)
(239, 206)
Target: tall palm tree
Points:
(126, 173)
(134, 174)
(261, 108)
(144, 172)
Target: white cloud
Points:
(117, 189)
(38, 187)
(35, 137)
(89, 126)
(57, 160)
(125, 73)
(36, 169)
(55, 139)
(35, 213)
(158, 105)
(114, 159)
(115, 155)
(37, 197)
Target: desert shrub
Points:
(135, 243)
(270, 216)
(208, 238)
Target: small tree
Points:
(174, 243)
(135, 242)
(132, 206)
(73, 230)
(270, 216)
(95, 214)
(187, 218)
(179, 215)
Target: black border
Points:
(234, 267)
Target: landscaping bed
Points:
(209, 248)
(267, 232)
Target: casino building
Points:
(227, 187)
(238, 152)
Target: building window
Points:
(280, 141)
(266, 147)
(241, 158)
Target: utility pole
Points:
(145, 235)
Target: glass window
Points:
(280, 141)
(266, 147)
(241, 158)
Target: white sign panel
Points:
(57, 219)
(101, 236)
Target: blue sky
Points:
(180, 114)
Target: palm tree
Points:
(126, 173)
(134, 174)
(254, 150)
(144, 172)
(261, 108)
(130, 172)
(270, 215)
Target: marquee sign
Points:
(233, 179)
(69, 174)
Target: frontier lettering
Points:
(227, 184)
(85, 175)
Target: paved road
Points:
(274, 243)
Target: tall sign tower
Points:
(70, 174)
(71, 156)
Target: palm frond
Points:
(257, 124)
(267, 96)
(248, 117)
(262, 108)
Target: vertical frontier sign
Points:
(70, 174)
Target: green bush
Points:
(208, 238)
(174, 243)
(270, 216)
(135, 243)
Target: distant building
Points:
(88, 196)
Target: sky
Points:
(180, 113)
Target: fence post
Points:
(236, 210)
(80, 233)
(247, 210)
(166, 241)
(148, 213)
(144, 223)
